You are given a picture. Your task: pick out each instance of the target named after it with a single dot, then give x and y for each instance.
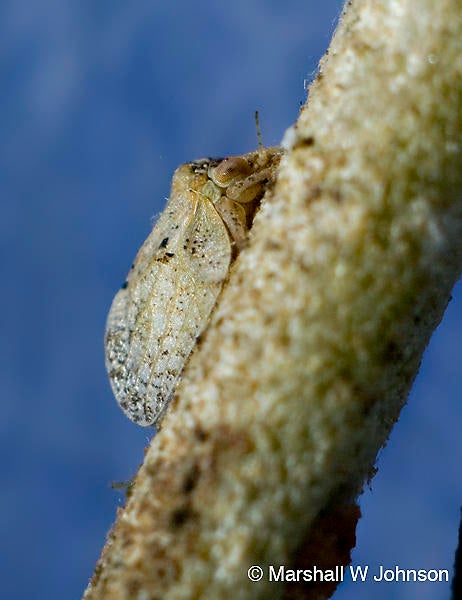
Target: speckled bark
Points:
(318, 336)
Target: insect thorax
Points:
(235, 185)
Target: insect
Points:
(178, 273)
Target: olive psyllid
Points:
(178, 273)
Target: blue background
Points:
(100, 101)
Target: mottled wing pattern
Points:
(165, 304)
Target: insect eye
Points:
(229, 169)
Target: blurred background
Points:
(100, 102)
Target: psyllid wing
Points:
(166, 302)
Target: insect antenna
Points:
(257, 125)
